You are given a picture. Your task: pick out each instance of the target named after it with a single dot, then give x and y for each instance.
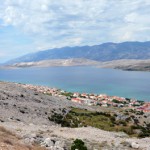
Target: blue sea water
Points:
(131, 84)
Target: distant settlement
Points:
(102, 100)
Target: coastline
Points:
(85, 79)
(90, 99)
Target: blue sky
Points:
(31, 25)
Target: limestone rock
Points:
(60, 143)
(48, 142)
(134, 145)
(55, 148)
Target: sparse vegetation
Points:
(67, 94)
(105, 121)
(81, 117)
(9, 139)
(116, 101)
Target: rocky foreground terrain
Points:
(25, 124)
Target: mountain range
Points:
(103, 52)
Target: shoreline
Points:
(76, 91)
(91, 99)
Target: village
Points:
(101, 100)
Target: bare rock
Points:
(55, 148)
(60, 143)
(134, 145)
(48, 142)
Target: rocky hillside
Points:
(56, 62)
(125, 64)
(103, 52)
(32, 118)
(29, 106)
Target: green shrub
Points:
(78, 144)
(81, 118)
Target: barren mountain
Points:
(123, 64)
(57, 62)
(102, 52)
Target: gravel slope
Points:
(26, 112)
(20, 104)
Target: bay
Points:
(129, 84)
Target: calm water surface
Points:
(85, 79)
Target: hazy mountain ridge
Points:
(103, 52)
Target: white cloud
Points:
(2, 54)
(52, 23)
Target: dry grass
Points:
(9, 141)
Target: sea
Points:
(113, 82)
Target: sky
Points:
(28, 26)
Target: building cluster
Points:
(92, 99)
(145, 107)
(105, 100)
